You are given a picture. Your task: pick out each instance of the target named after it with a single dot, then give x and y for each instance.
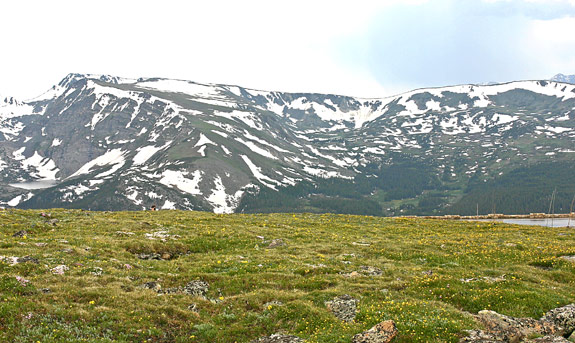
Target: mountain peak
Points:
(564, 78)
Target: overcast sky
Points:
(360, 48)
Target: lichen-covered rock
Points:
(550, 339)
(371, 271)
(197, 288)
(343, 307)
(563, 317)
(515, 329)
(277, 338)
(152, 285)
(383, 332)
(479, 336)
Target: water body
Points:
(35, 184)
(548, 222)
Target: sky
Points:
(361, 48)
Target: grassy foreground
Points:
(433, 274)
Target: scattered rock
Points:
(363, 244)
(479, 336)
(63, 241)
(41, 245)
(27, 259)
(515, 328)
(96, 271)
(197, 288)
(552, 328)
(277, 338)
(20, 233)
(383, 332)
(152, 285)
(59, 270)
(45, 290)
(353, 274)
(569, 258)
(53, 222)
(427, 272)
(68, 250)
(162, 235)
(371, 271)
(550, 339)
(275, 243)
(152, 256)
(563, 317)
(193, 308)
(343, 307)
(511, 245)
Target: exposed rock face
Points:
(277, 338)
(343, 307)
(563, 317)
(552, 328)
(383, 332)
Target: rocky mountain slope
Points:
(564, 78)
(104, 142)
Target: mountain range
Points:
(108, 143)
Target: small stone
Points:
(27, 259)
(196, 288)
(343, 307)
(275, 243)
(371, 271)
(45, 290)
(272, 303)
(41, 245)
(151, 285)
(59, 270)
(193, 308)
(277, 338)
(152, 256)
(383, 332)
(53, 222)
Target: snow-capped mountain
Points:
(564, 78)
(104, 142)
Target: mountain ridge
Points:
(129, 143)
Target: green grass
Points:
(245, 276)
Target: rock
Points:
(166, 256)
(371, 271)
(41, 245)
(197, 288)
(152, 256)
(20, 233)
(343, 307)
(478, 336)
(193, 308)
(362, 244)
(550, 339)
(275, 243)
(152, 285)
(277, 338)
(59, 270)
(563, 317)
(124, 233)
(45, 290)
(383, 332)
(569, 258)
(515, 328)
(27, 259)
(96, 271)
(53, 222)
